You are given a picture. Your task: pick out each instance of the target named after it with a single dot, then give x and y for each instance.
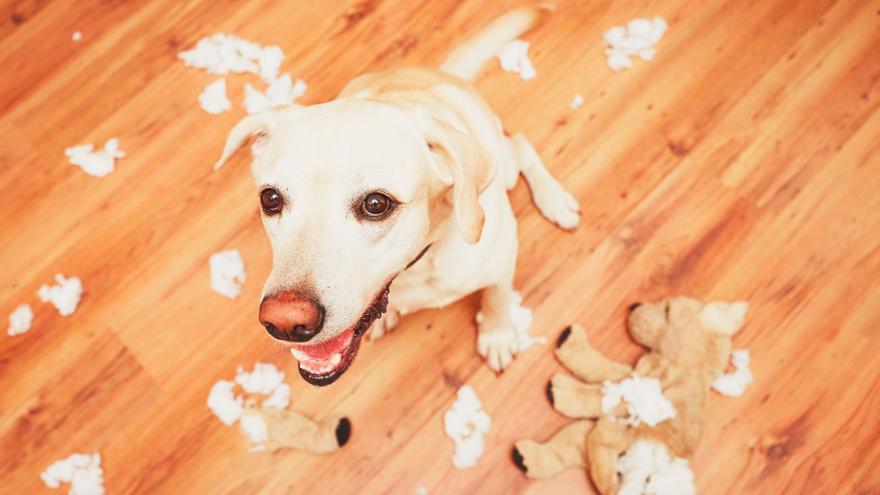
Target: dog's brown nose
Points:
(291, 316)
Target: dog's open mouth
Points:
(324, 362)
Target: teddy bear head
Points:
(688, 331)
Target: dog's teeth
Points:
(298, 354)
(335, 359)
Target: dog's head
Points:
(352, 192)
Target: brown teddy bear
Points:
(274, 429)
(690, 345)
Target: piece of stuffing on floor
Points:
(577, 101)
(65, 294)
(638, 38)
(280, 92)
(514, 57)
(20, 320)
(227, 273)
(466, 423)
(213, 98)
(82, 471)
(95, 163)
(734, 384)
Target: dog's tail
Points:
(467, 60)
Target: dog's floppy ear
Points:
(462, 163)
(257, 124)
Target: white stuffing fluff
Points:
(647, 469)
(282, 91)
(645, 402)
(77, 36)
(421, 491)
(577, 101)
(522, 320)
(213, 98)
(514, 57)
(64, 295)
(266, 380)
(638, 38)
(226, 53)
(95, 163)
(227, 273)
(20, 320)
(254, 427)
(224, 403)
(734, 384)
(466, 423)
(82, 471)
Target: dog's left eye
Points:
(376, 206)
(271, 201)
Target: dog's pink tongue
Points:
(329, 351)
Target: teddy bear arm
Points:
(290, 429)
(605, 445)
(575, 399)
(567, 448)
(577, 355)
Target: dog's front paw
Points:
(557, 204)
(498, 346)
(384, 324)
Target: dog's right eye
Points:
(271, 201)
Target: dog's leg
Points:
(575, 353)
(554, 202)
(565, 449)
(383, 325)
(497, 340)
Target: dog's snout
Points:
(291, 316)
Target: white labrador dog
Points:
(397, 186)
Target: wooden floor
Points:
(743, 162)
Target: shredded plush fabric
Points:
(213, 98)
(64, 295)
(734, 384)
(282, 91)
(225, 53)
(638, 38)
(82, 471)
(514, 57)
(227, 273)
(645, 402)
(20, 320)
(466, 423)
(95, 163)
(224, 403)
(255, 429)
(265, 380)
(647, 469)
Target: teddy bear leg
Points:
(573, 398)
(575, 353)
(290, 429)
(605, 444)
(565, 449)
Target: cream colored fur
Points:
(427, 138)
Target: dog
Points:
(392, 198)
